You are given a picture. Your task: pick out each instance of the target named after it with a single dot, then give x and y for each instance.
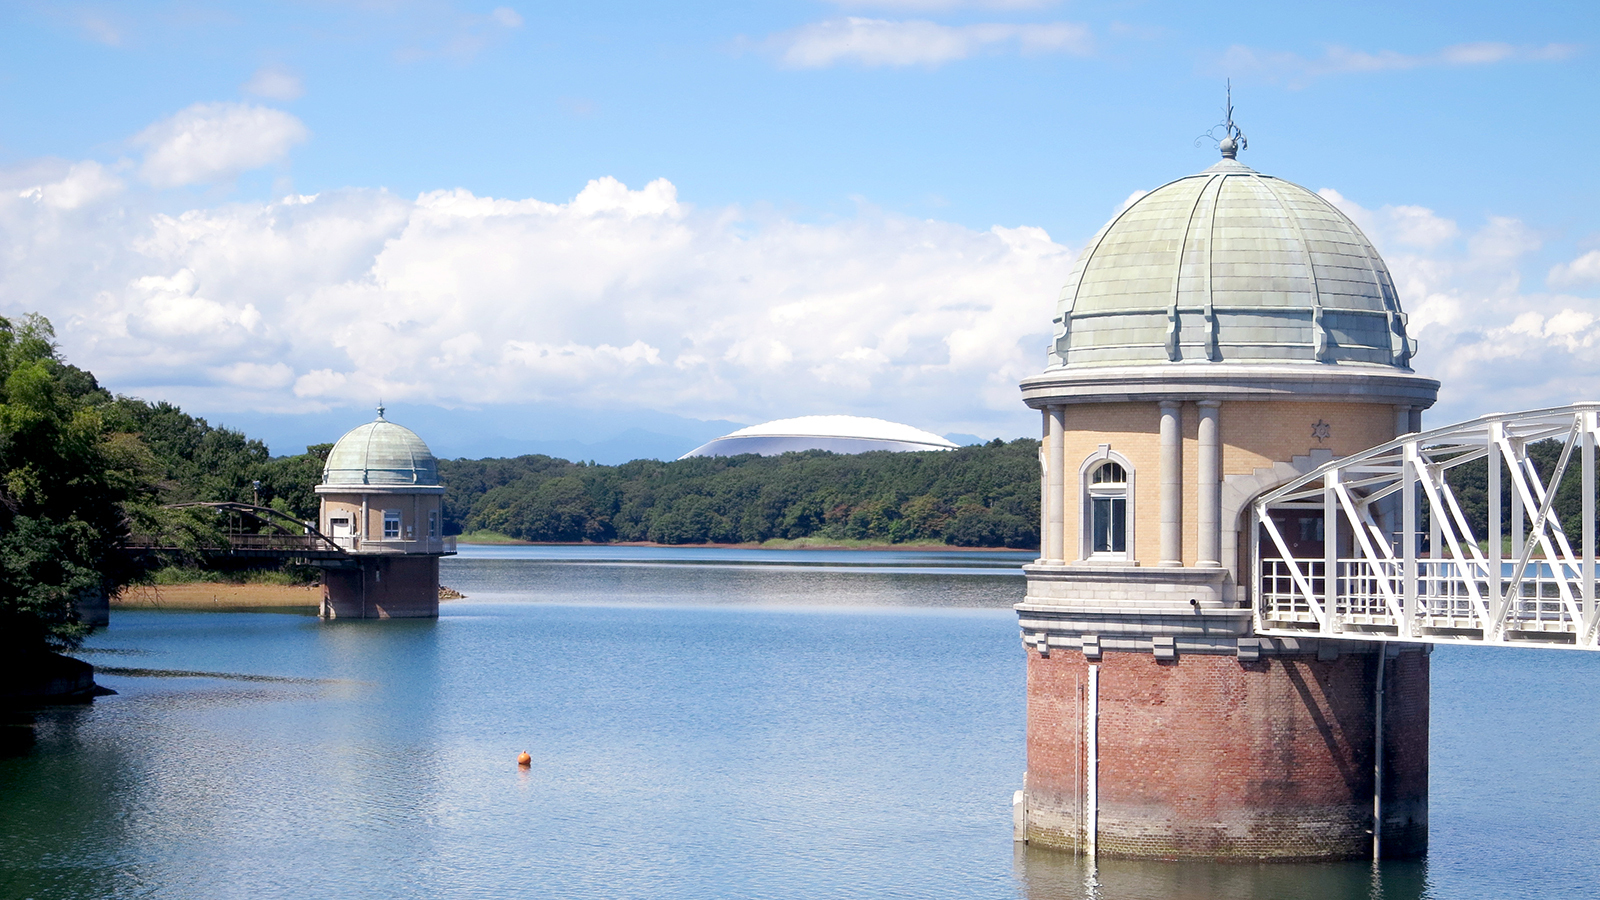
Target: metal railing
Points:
(1370, 509)
(1443, 597)
(356, 544)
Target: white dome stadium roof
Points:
(838, 434)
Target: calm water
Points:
(703, 724)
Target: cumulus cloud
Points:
(83, 184)
(275, 83)
(1495, 345)
(1339, 60)
(213, 141)
(1581, 271)
(616, 298)
(629, 297)
(880, 42)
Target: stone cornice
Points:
(378, 489)
(1224, 382)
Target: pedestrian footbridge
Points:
(1445, 536)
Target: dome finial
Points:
(380, 411)
(1232, 139)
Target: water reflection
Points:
(698, 731)
(552, 581)
(1051, 875)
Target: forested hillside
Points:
(980, 496)
(194, 460)
(81, 470)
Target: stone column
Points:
(1210, 538)
(1171, 484)
(1055, 485)
(1402, 420)
(1044, 484)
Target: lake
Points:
(703, 723)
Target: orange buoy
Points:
(524, 760)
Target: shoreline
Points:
(219, 596)
(227, 597)
(770, 545)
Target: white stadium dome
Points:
(838, 434)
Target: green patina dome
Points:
(1230, 265)
(381, 453)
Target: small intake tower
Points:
(381, 502)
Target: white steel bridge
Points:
(1377, 546)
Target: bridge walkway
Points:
(1379, 546)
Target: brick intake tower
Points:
(1222, 335)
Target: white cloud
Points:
(622, 298)
(944, 5)
(84, 184)
(1412, 226)
(616, 298)
(1583, 270)
(462, 37)
(505, 17)
(879, 42)
(255, 375)
(1494, 346)
(275, 82)
(100, 29)
(213, 141)
(1339, 60)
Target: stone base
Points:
(1214, 757)
(47, 678)
(382, 587)
(94, 609)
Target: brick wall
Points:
(383, 587)
(1209, 757)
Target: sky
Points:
(612, 229)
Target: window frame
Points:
(391, 517)
(1088, 491)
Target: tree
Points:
(67, 479)
(981, 496)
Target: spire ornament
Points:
(1232, 139)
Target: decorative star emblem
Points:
(1321, 430)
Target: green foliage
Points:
(290, 576)
(67, 478)
(1470, 483)
(196, 461)
(487, 537)
(982, 496)
(167, 575)
(81, 470)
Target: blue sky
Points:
(611, 215)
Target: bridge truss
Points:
(1377, 546)
(277, 534)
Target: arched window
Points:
(1107, 511)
